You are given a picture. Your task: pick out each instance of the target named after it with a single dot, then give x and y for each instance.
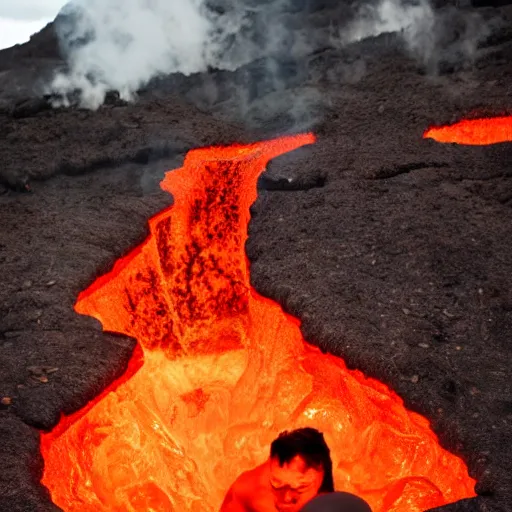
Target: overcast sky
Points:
(19, 19)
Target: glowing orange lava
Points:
(221, 370)
(474, 132)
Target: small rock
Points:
(35, 315)
(12, 334)
(6, 400)
(447, 313)
(406, 311)
(423, 345)
(380, 110)
(40, 372)
(36, 370)
(415, 379)
(51, 283)
(27, 284)
(41, 378)
(458, 347)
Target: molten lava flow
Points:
(474, 131)
(221, 370)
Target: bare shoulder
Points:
(249, 481)
(242, 493)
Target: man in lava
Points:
(298, 469)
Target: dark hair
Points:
(310, 444)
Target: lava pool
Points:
(220, 370)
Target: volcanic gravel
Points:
(394, 251)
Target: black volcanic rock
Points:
(43, 45)
(394, 251)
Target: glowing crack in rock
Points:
(220, 370)
(474, 132)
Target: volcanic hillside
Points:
(394, 251)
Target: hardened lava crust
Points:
(393, 250)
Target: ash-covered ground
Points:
(393, 250)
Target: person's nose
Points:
(288, 496)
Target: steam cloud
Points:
(122, 44)
(392, 16)
(423, 30)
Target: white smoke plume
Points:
(429, 35)
(415, 22)
(121, 44)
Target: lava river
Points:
(220, 370)
(474, 132)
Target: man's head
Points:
(300, 468)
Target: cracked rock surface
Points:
(394, 251)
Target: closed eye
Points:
(293, 489)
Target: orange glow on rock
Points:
(220, 371)
(475, 132)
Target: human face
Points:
(294, 483)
